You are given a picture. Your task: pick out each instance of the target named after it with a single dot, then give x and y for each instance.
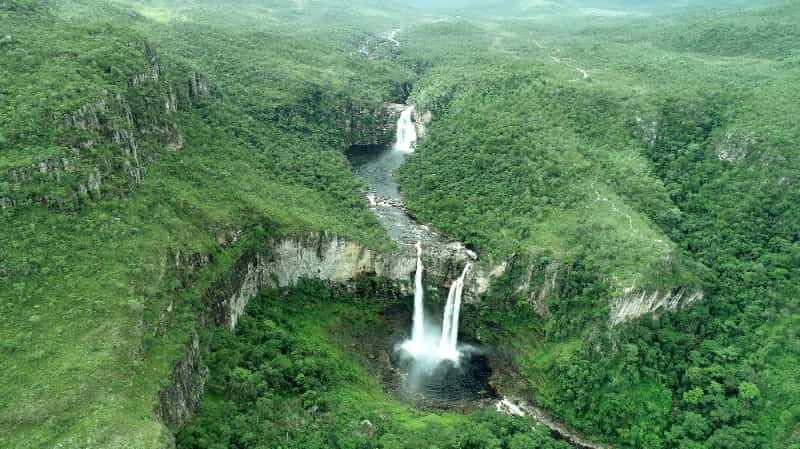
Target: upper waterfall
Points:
(406, 131)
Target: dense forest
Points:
(287, 379)
(606, 150)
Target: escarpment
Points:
(282, 262)
(104, 147)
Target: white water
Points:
(392, 37)
(423, 343)
(417, 343)
(406, 131)
(448, 344)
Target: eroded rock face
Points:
(282, 262)
(368, 125)
(178, 401)
(285, 261)
(421, 120)
(637, 303)
(321, 255)
(107, 142)
(734, 147)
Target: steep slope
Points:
(132, 179)
(686, 146)
(614, 169)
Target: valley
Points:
(451, 224)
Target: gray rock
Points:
(636, 303)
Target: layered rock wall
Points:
(107, 143)
(637, 303)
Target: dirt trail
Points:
(558, 60)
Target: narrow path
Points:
(558, 60)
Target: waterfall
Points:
(449, 342)
(406, 131)
(423, 345)
(417, 343)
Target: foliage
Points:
(101, 291)
(286, 378)
(671, 163)
(517, 147)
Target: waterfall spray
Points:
(449, 341)
(423, 345)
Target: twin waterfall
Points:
(449, 341)
(423, 344)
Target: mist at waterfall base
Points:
(434, 365)
(428, 344)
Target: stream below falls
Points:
(462, 385)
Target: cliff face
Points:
(178, 401)
(107, 143)
(368, 124)
(282, 262)
(637, 303)
(539, 282)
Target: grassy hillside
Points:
(646, 156)
(146, 145)
(127, 151)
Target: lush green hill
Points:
(665, 150)
(145, 146)
(122, 152)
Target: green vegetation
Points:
(145, 146)
(288, 378)
(664, 166)
(95, 313)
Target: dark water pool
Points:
(465, 385)
(445, 382)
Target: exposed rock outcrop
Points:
(321, 255)
(734, 147)
(539, 283)
(368, 125)
(422, 119)
(180, 399)
(636, 303)
(107, 142)
(282, 262)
